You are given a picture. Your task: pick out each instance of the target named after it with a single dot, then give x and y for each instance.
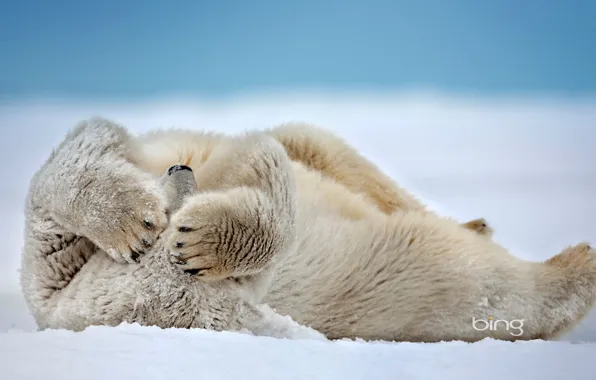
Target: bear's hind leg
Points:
(568, 283)
(549, 299)
(328, 154)
(323, 151)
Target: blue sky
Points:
(150, 48)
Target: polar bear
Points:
(349, 259)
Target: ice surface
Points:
(526, 165)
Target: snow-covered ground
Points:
(528, 166)
(133, 352)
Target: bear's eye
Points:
(148, 224)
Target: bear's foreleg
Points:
(243, 220)
(88, 187)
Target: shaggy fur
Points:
(92, 251)
(291, 217)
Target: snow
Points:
(526, 165)
(134, 352)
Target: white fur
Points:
(340, 247)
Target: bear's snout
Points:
(176, 168)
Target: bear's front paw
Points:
(130, 222)
(191, 253)
(228, 234)
(200, 236)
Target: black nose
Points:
(176, 168)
